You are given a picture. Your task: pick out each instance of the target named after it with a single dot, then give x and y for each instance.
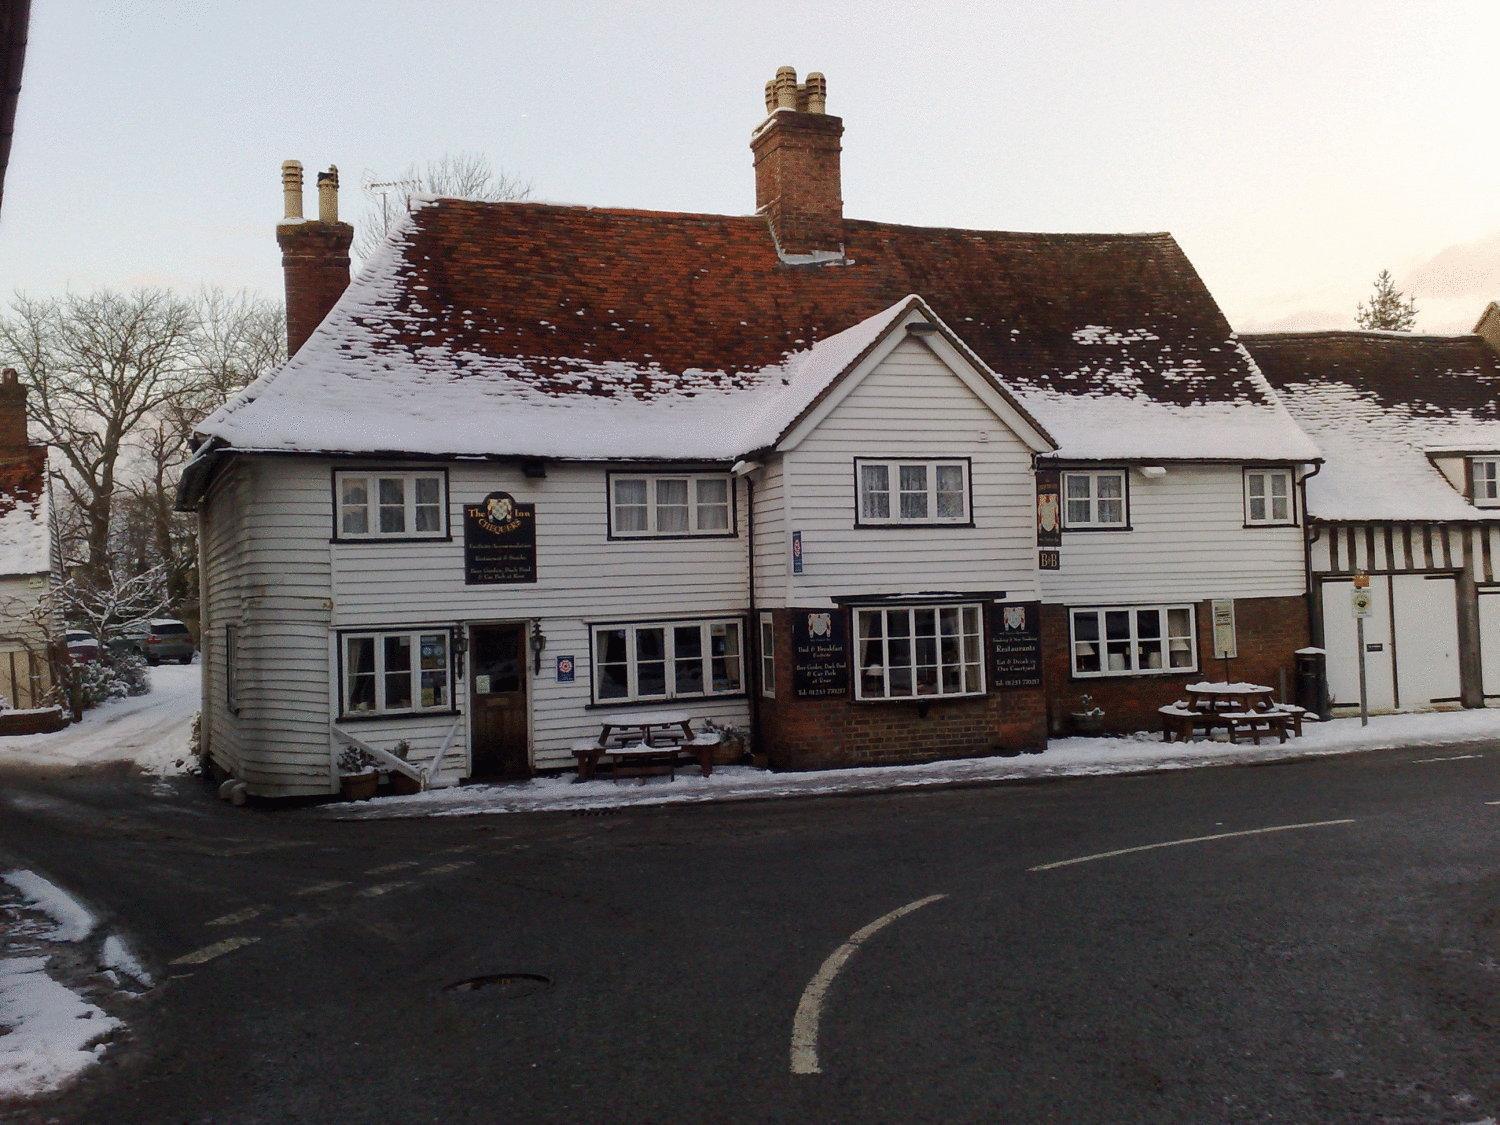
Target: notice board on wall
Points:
(499, 541)
(820, 653)
(1016, 644)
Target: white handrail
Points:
(422, 775)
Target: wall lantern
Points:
(538, 642)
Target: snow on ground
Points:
(152, 730)
(50, 1032)
(72, 921)
(1064, 757)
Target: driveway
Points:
(1100, 949)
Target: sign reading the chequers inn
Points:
(1016, 645)
(820, 653)
(499, 541)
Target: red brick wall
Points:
(1268, 632)
(825, 733)
(797, 180)
(315, 261)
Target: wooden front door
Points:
(497, 695)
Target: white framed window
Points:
(912, 492)
(767, 656)
(1485, 474)
(396, 672)
(391, 504)
(231, 668)
(667, 660)
(919, 652)
(1268, 496)
(658, 505)
(1095, 498)
(1133, 640)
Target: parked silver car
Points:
(162, 639)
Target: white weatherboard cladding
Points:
(910, 405)
(1187, 542)
(583, 578)
(1489, 643)
(772, 541)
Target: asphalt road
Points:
(1344, 972)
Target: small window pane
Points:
(1079, 486)
(354, 506)
(671, 506)
(687, 641)
(397, 673)
(1078, 512)
(724, 649)
(913, 492)
(392, 502)
(1257, 508)
(1111, 485)
(950, 491)
(651, 662)
(631, 508)
(1111, 511)
(712, 494)
(875, 492)
(359, 673)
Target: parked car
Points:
(162, 639)
(83, 646)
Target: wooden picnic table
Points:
(657, 741)
(1218, 696)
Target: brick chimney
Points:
(797, 167)
(13, 438)
(314, 253)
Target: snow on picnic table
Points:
(152, 730)
(1064, 757)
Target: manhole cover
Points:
(507, 986)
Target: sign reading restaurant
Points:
(1016, 645)
(499, 541)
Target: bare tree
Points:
(465, 175)
(102, 367)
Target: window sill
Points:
(902, 525)
(676, 701)
(1154, 673)
(1109, 527)
(614, 537)
(446, 537)
(375, 716)
(922, 700)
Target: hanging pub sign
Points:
(1049, 519)
(820, 653)
(1016, 644)
(499, 541)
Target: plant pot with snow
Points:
(1089, 718)
(359, 786)
(403, 786)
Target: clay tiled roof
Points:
(1112, 341)
(1382, 405)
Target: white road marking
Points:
(399, 865)
(1492, 802)
(237, 917)
(445, 868)
(1447, 758)
(810, 1007)
(382, 889)
(217, 949)
(1189, 840)
(319, 888)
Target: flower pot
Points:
(1088, 722)
(359, 786)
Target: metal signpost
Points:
(1359, 602)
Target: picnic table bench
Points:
(651, 744)
(1244, 711)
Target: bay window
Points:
(396, 672)
(912, 492)
(918, 652)
(1133, 640)
(391, 505)
(670, 504)
(1094, 499)
(667, 660)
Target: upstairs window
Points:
(391, 505)
(1486, 478)
(1268, 497)
(912, 492)
(667, 505)
(1094, 500)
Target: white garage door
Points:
(1411, 642)
(1489, 643)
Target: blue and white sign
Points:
(796, 552)
(565, 669)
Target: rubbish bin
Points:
(1312, 682)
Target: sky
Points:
(1294, 149)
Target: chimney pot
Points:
(770, 96)
(328, 195)
(13, 435)
(786, 88)
(817, 93)
(291, 188)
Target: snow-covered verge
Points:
(51, 1031)
(154, 730)
(1064, 757)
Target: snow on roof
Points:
(540, 330)
(25, 519)
(1379, 404)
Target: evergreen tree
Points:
(1389, 308)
